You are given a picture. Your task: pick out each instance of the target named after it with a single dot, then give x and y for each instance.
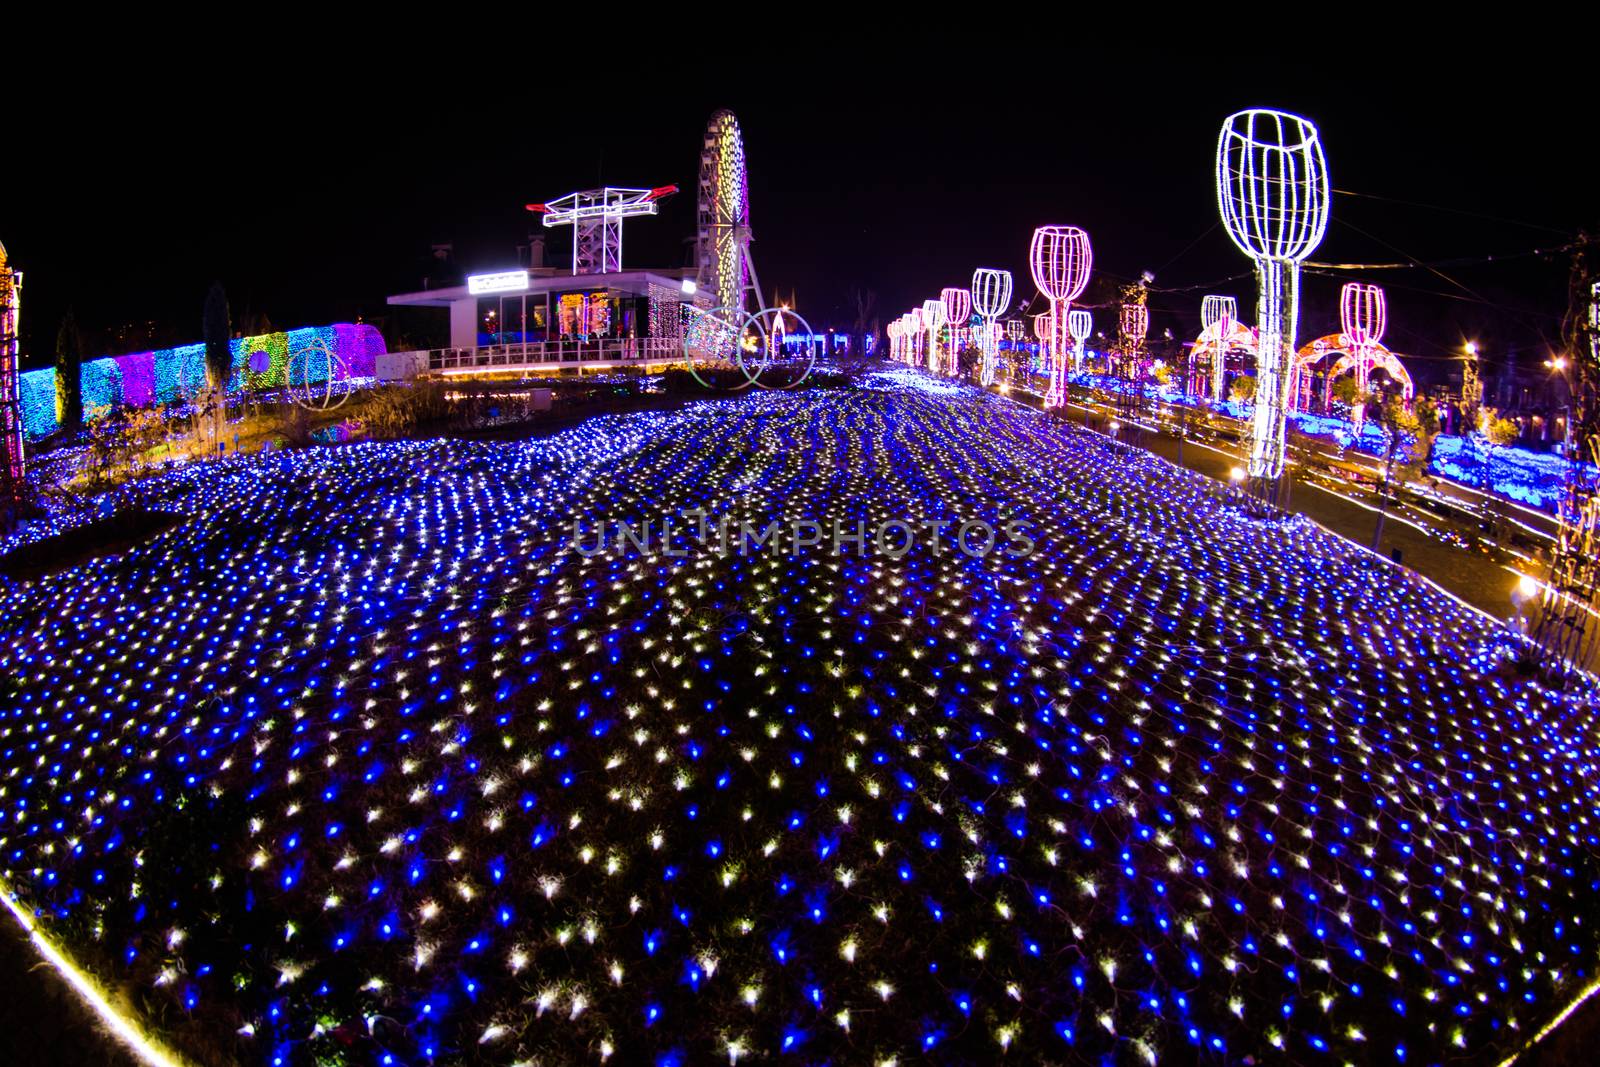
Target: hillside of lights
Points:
(362, 762)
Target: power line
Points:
(1455, 211)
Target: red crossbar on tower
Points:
(595, 216)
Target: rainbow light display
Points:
(170, 374)
(362, 763)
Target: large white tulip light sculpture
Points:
(991, 296)
(1272, 191)
(1060, 259)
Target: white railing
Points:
(534, 354)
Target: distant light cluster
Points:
(360, 763)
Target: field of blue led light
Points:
(362, 763)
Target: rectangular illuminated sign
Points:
(509, 281)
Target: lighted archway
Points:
(1241, 344)
(1378, 357)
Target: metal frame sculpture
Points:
(1079, 325)
(957, 310)
(595, 216)
(1221, 312)
(12, 471)
(991, 297)
(1060, 258)
(1272, 192)
(933, 322)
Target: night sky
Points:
(314, 199)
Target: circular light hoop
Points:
(310, 395)
(723, 319)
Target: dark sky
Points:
(312, 198)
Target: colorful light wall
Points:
(169, 374)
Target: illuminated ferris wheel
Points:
(722, 246)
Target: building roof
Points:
(635, 282)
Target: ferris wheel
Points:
(722, 245)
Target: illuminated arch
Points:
(1342, 344)
(1241, 339)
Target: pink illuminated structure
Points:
(1363, 315)
(1060, 259)
(957, 310)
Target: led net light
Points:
(1272, 191)
(361, 761)
(1060, 259)
(991, 297)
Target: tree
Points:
(1243, 389)
(1420, 422)
(69, 382)
(969, 359)
(1347, 392)
(215, 331)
